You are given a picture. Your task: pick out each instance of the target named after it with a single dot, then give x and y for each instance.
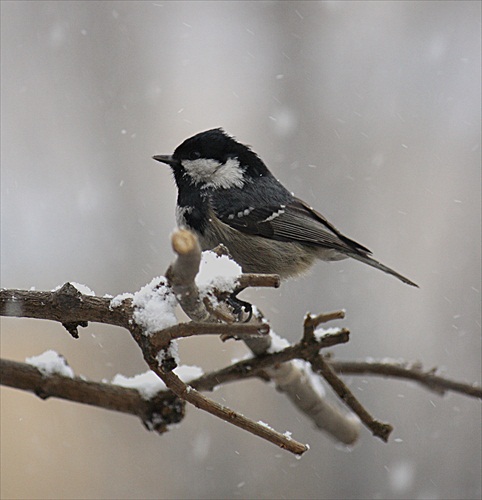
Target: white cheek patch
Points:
(212, 174)
(200, 170)
(228, 175)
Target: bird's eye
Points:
(194, 155)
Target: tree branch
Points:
(181, 276)
(379, 429)
(414, 371)
(257, 366)
(298, 384)
(288, 377)
(65, 305)
(210, 316)
(197, 399)
(239, 330)
(182, 273)
(156, 413)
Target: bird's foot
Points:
(240, 307)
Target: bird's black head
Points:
(213, 159)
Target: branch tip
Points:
(381, 430)
(184, 242)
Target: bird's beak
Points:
(168, 159)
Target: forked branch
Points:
(272, 359)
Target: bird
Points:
(227, 194)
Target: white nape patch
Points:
(276, 214)
(212, 174)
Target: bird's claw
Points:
(240, 307)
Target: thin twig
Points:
(314, 321)
(193, 328)
(257, 280)
(197, 399)
(297, 383)
(414, 372)
(254, 366)
(379, 429)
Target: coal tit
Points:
(226, 194)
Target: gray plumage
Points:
(226, 194)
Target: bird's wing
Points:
(295, 221)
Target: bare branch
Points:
(189, 394)
(257, 280)
(428, 379)
(258, 365)
(192, 328)
(66, 305)
(314, 321)
(379, 429)
(197, 399)
(183, 271)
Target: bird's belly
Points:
(256, 254)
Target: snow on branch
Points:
(157, 413)
(202, 284)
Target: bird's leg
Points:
(239, 306)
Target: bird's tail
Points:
(374, 263)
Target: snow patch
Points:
(51, 362)
(118, 299)
(217, 271)
(84, 289)
(154, 306)
(172, 351)
(321, 332)
(187, 372)
(277, 343)
(312, 378)
(148, 384)
(264, 424)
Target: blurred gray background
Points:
(370, 111)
